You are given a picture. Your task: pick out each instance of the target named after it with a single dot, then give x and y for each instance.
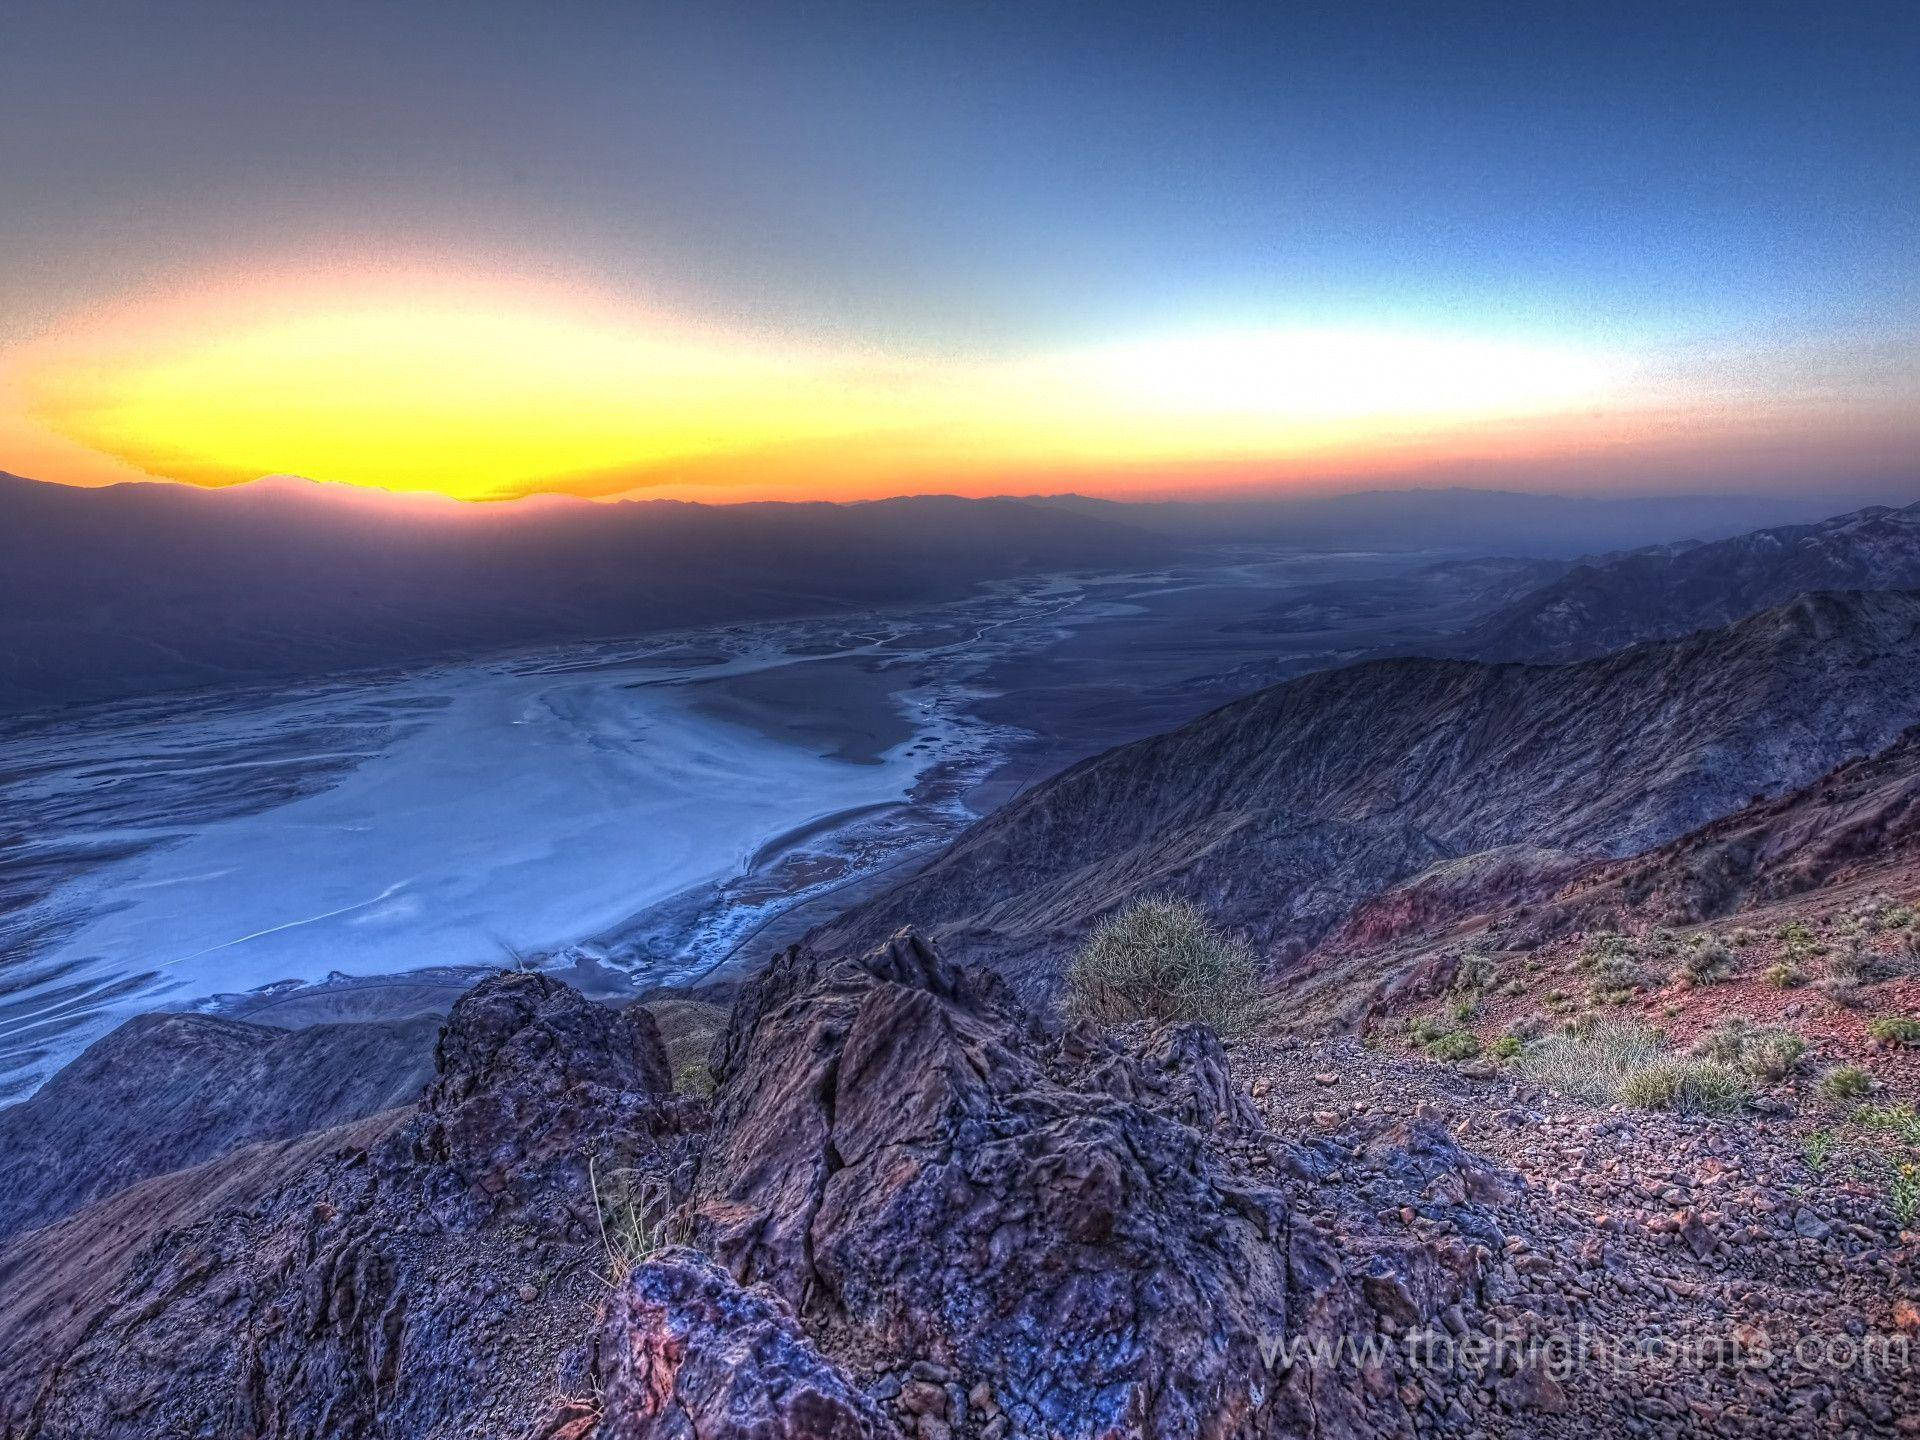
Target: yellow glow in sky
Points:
(486, 389)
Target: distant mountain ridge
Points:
(139, 588)
(1282, 811)
(1663, 591)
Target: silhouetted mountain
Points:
(1667, 590)
(1483, 521)
(1284, 810)
(136, 588)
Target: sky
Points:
(736, 251)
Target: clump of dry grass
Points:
(1764, 1053)
(1593, 1062)
(637, 1217)
(1161, 959)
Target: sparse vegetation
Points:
(1818, 1148)
(1443, 1038)
(1507, 1046)
(1784, 975)
(1765, 1054)
(1895, 1030)
(637, 1217)
(693, 1078)
(1161, 959)
(1901, 1121)
(1703, 1087)
(1593, 1062)
(1845, 1082)
(1856, 964)
(1707, 963)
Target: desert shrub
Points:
(1743, 937)
(1896, 917)
(1845, 1082)
(1854, 962)
(1702, 1087)
(1529, 1027)
(1818, 1148)
(1848, 994)
(1161, 959)
(1895, 1030)
(1507, 1046)
(1784, 975)
(1765, 1054)
(1455, 1045)
(1615, 978)
(1475, 972)
(1707, 963)
(1592, 1062)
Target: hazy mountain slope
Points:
(166, 1091)
(1285, 809)
(136, 588)
(1670, 590)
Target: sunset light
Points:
(485, 388)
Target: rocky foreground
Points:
(908, 1209)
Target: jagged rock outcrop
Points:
(166, 1091)
(903, 1161)
(1282, 812)
(683, 1353)
(425, 1274)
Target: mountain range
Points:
(1662, 591)
(136, 588)
(1284, 810)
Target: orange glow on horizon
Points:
(483, 387)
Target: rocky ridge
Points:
(911, 1210)
(1282, 812)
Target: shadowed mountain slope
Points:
(1284, 810)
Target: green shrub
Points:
(1856, 964)
(1456, 1045)
(1818, 1148)
(1845, 1082)
(1508, 1046)
(1161, 959)
(1703, 1087)
(1895, 1030)
(1784, 975)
